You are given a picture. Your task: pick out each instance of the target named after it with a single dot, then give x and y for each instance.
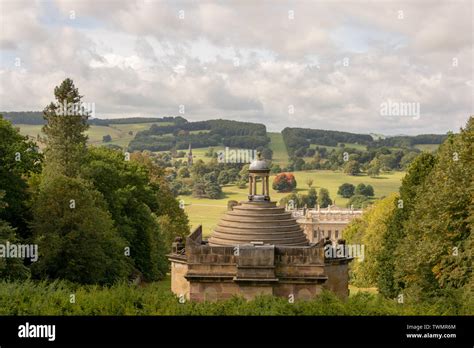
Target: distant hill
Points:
(36, 118)
(301, 138)
(410, 141)
(298, 140)
(201, 134)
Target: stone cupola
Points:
(258, 221)
(259, 171)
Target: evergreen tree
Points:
(323, 198)
(66, 123)
(312, 198)
(72, 227)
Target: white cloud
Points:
(140, 58)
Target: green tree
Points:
(213, 190)
(75, 234)
(346, 190)
(106, 138)
(199, 189)
(417, 173)
(436, 249)
(72, 226)
(374, 168)
(223, 178)
(359, 202)
(65, 132)
(275, 169)
(369, 191)
(312, 198)
(360, 188)
(10, 268)
(370, 231)
(138, 202)
(18, 161)
(323, 198)
(183, 172)
(352, 167)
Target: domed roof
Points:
(258, 222)
(259, 164)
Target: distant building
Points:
(326, 223)
(256, 248)
(190, 156)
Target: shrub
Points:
(284, 182)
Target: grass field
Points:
(427, 147)
(348, 145)
(277, 145)
(280, 155)
(208, 211)
(118, 132)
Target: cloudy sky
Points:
(316, 64)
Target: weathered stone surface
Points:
(257, 248)
(257, 222)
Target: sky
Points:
(314, 64)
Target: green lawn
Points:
(348, 145)
(208, 211)
(118, 132)
(277, 145)
(427, 147)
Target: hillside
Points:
(201, 134)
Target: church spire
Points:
(190, 155)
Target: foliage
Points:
(66, 141)
(369, 231)
(324, 200)
(364, 190)
(43, 298)
(415, 177)
(359, 202)
(76, 239)
(437, 247)
(209, 133)
(136, 196)
(300, 200)
(36, 118)
(352, 167)
(284, 182)
(346, 190)
(10, 268)
(420, 243)
(18, 161)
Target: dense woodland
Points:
(419, 242)
(353, 153)
(201, 134)
(97, 216)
